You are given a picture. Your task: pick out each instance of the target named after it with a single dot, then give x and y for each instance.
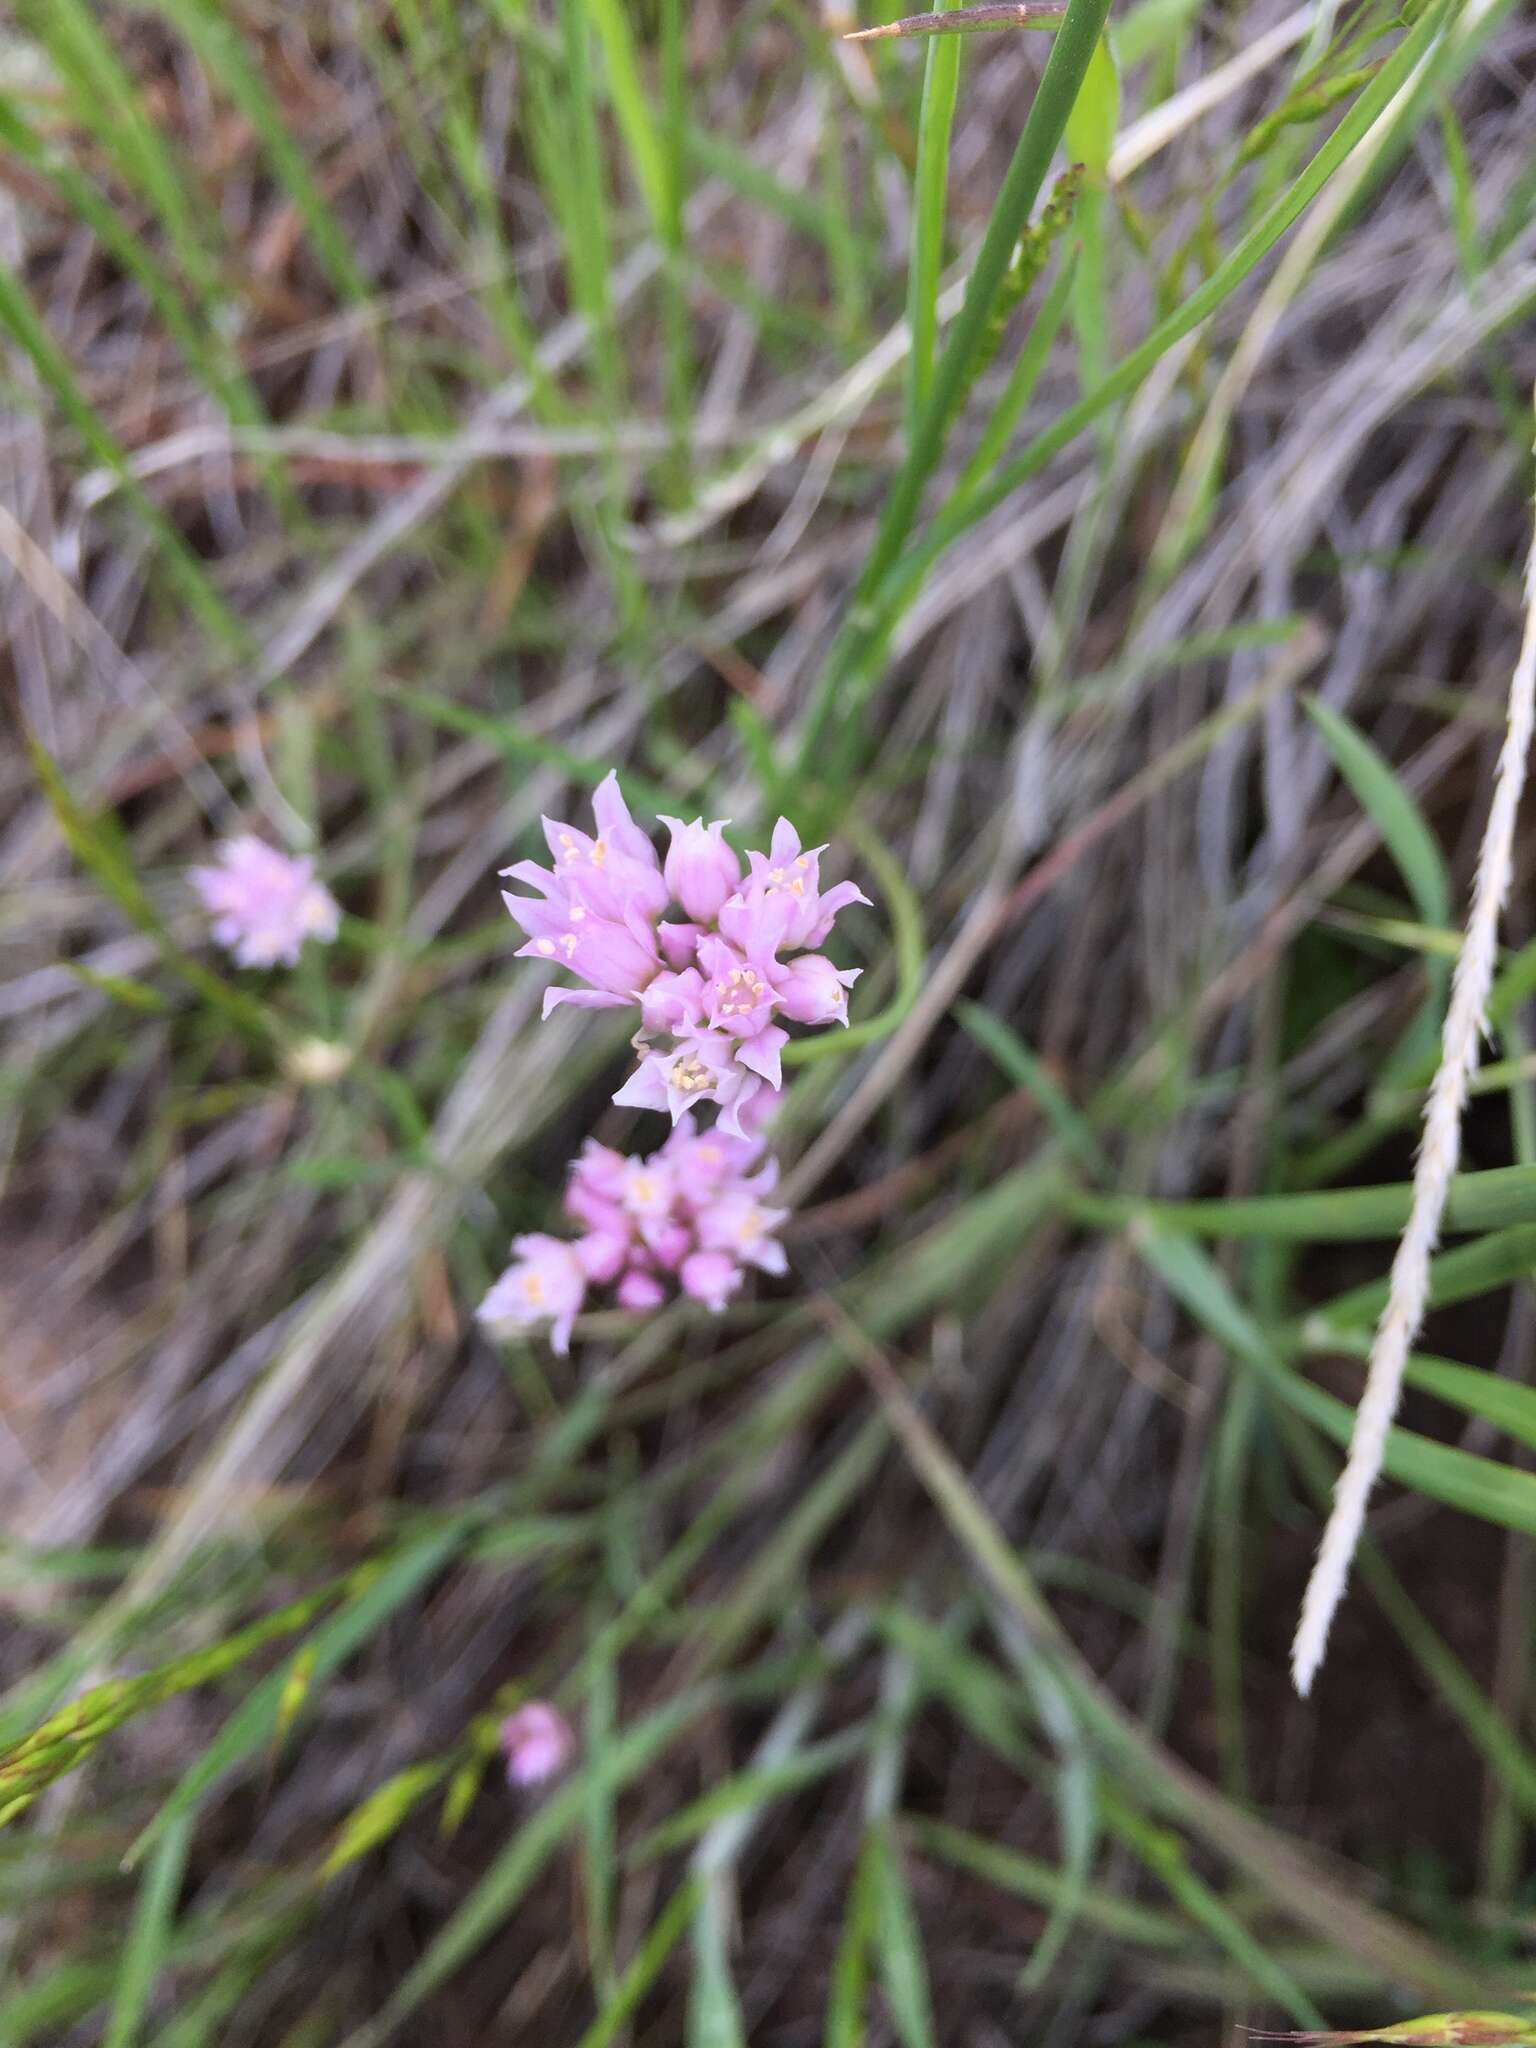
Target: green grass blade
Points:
(1015, 1059)
(1492, 1200)
(898, 1941)
(149, 1936)
(19, 317)
(633, 112)
(495, 1898)
(844, 2026)
(1397, 817)
(871, 627)
(714, 2011)
(254, 1720)
(941, 79)
(1071, 52)
(1478, 1486)
(210, 32)
(650, 1959)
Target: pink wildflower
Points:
(783, 895)
(264, 904)
(713, 983)
(537, 1742)
(689, 1219)
(674, 1001)
(647, 1190)
(616, 955)
(616, 871)
(701, 1162)
(734, 1222)
(545, 1283)
(701, 1067)
(602, 1254)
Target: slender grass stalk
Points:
(1065, 69)
(941, 81)
(1436, 1165)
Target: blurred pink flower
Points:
(544, 1283)
(264, 904)
(690, 1218)
(537, 1742)
(735, 1222)
(710, 1277)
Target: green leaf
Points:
(663, 1936)
(1478, 1486)
(746, 1790)
(1150, 26)
(1025, 1071)
(1095, 118)
(941, 78)
(1459, 1275)
(149, 1936)
(898, 1941)
(383, 1813)
(1396, 816)
(714, 2011)
(850, 1971)
(1478, 1201)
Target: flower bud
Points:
(812, 991)
(701, 870)
(710, 1277)
(639, 1291)
(537, 1741)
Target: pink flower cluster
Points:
(690, 1218)
(264, 904)
(712, 982)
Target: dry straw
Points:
(1408, 1293)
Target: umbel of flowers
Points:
(716, 957)
(712, 956)
(690, 1219)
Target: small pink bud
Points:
(813, 991)
(537, 1741)
(679, 943)
(710, 1277)
(701, 870)
(639, 1290)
